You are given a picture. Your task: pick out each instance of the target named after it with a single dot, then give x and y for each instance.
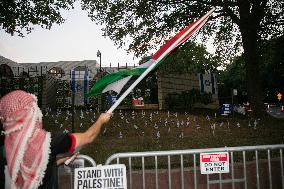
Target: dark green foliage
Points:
(152, 22)
(190, 58)
(171, 100)
(233, 77)
(272, 73)
(272, 59)
(236, 26)
(21, 16)
(187, 99)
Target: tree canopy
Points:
(20, 17)
(143, 23)
(190, 58)
(273, 68)
(272, 72)
(235, 24)
(146, 24)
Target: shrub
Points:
(187, 99)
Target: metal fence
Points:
(250, 167)
(66, 173)
(29, 84)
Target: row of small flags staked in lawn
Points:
(158, 122)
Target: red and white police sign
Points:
(217, 162)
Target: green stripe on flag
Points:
(110, 78)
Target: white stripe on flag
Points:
(117, 86)
(146, 64)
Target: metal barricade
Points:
(66, 173)
(250, 167)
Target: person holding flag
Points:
(30, 150)
(2, 158)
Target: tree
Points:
(272, 72)
(236, 22)
(20, 16)
(272, 68)
(233, 77)
(190, 58)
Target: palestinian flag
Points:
(116, 81)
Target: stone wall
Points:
(177, 83)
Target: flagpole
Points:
(152, 66)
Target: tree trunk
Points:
(255, 93)
(248, 27)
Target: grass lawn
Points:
(152, 130)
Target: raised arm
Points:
(89, 135)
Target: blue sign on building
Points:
(80, 86)
(111, 99)
(226, 109)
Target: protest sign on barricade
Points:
(107, 176)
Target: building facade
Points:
(54, 87)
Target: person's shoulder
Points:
(59, 135)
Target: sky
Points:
(77, 39)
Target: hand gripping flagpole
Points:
(152, 66)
